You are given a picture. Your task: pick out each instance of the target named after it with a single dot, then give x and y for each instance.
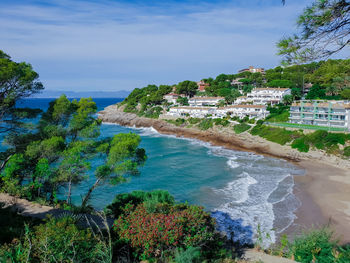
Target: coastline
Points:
(324, 191)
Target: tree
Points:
(121, 158)
(182, 101)
(325, 29)
(287, 99)
(187, 87)
(345, 94)
(17, 81)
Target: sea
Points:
(250, 195)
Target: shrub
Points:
(192, 254)
(137, 197)
(58, 240)
(242, 127)
(347, 151)
(205, 124)
(194, 120)
(316, 245)
(221, 122)
(274, 134)
(301, 144)
(152, 234)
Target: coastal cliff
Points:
(324, 190)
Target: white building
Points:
(335, 114)
(243, 100)
(266, 96)
(195, 112)
(241, 111)
(171, 97)
(204, 101)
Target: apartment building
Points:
(264, 96)
(195, 112)
(252, 111)
(204, 101)
(321, 113)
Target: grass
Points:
(275, 134)
(242, 127)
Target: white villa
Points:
(195, 112)
(335, 114)
(204, 101)
(264, 96)
(241, 111)
(171, 97)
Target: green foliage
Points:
(159, 232)
(193, 120)
(324, 28)
(222, 122)
(182, 101)
(316, 92)
(190, 255)
(177, 122)
(316, 245)
(57, 240)
(301, 144)
(242, 127)
(137, 197)
(187, 88)
(274, 134)
(206, 124)
(17, 81)
(345, 94)
(278, 113)
(347, 151)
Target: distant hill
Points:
(73, 94)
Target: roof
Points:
(243, 106)
(207, 98)
(192, 108)
(278, 89)
(172, 94)
(325, 104)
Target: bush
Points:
(242, 127)
(206, 124)
(273, 134)
(316, 245)
(347, 151)
(177, 122)
(194, 120)
(58, 240)
(301, 144)
(221, 122)
(157, 233)
(192, 254)
(138, 197)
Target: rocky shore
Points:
(324, 190)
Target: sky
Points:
(110, 45)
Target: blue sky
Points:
(107, 45)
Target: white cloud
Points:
(114, 46)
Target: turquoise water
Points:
(242, 190)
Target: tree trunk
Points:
(69, 192)
(87, 196)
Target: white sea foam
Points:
(258, 196)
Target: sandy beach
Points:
(324, 190)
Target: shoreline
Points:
(324, 190)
